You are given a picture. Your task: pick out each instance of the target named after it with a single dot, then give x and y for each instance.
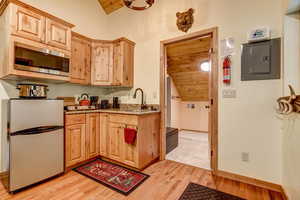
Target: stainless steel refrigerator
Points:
(35, 141)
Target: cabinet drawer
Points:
(75, 119)
(124, 119)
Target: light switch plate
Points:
(229, 93)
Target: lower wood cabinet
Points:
(143, 151)
(81, 137)
(75, 144)
(104, 136)
(115, 144)
(94, 134)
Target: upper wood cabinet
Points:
(102, 64)
(80, 60)
(113, 63)
(33, 24)
(123, 63)
(28, 24)
(58, 35)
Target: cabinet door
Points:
(58, 35)
(123, 64)
(102, 64)
(92, 135)
(28, 24)
(115, 141)
(104, 140)
(118, 64)
(130, 154)
(80, 61)
(75, 144)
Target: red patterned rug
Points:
(116, 177)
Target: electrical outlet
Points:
(245, 157)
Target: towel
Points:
(130, 135)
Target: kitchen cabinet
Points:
(33, 24)
(123, 63)
(82, 137)
(115, 141)
(92, 135)
(146, 147)
(102, 64)
(75, 144)
(112, 63)
(30, 28)
(58, 35)
(80, 60)
(104, 134)
(28, 24)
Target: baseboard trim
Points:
(3, 175)
(251, 181)
(193, 130)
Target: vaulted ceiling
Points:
(110, 6)
(183, 65)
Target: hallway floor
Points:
(192, 149)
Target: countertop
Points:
(116, 111)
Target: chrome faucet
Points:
(143, 105)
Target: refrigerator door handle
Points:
(36, 130)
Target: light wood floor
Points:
(168, 180)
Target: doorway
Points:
(189, 103)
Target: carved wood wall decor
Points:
(130, 4)
(185, 20)
(289, 104)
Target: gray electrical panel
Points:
(261, 60)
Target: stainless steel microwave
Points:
(41, 60)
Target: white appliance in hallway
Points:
(35, 141)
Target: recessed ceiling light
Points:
(205, 66)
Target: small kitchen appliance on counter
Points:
(33, 149)
(116, 103)
(104, 104)
(32, 91)
(94, 100)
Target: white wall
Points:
(247, 123)
(196, 118)
(291, 124)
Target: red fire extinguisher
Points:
(227, 70)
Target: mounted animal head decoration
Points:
(289, 104)
(185, 20)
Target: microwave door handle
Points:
(36, 130)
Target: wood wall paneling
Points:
(183, 65)
(110, 6)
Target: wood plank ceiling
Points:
(110, 6)
(183, 65)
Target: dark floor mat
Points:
(198, 192)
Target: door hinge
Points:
(211, 102)
(211, 153)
